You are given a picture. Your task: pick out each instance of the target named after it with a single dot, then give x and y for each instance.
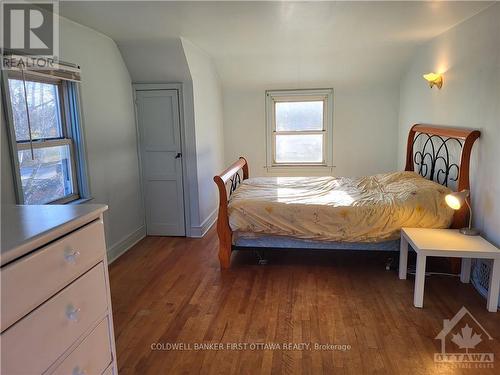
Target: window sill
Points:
(72, 199)
(300, 170)
(80, 200)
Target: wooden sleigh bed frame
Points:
(429, 153)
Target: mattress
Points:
(365, 209)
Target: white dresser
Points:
(55, 302)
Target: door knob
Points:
(179, 155)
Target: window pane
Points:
(292, 116)
(48, 177)
(44, 109)
(305, 148)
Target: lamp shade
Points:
(456, 200)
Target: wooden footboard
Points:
(227, 182)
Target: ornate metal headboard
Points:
(442, 154)
(436, 158)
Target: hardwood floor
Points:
(170, 290)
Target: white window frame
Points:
(72, 136)
(276, 96)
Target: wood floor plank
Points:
(170, 291)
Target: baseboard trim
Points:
(200, 231)
(121, 247)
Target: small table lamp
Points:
(456, 201)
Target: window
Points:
(299, 128)
(46, 140)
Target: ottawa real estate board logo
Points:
(30, 34)
(462, 342)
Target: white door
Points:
(161, 158)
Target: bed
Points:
(365, 213)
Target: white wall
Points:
(365, 127)
(468, 55)
(109, 128)
(208, 119)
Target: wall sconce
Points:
(434, 80)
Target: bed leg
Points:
(224, 255)
(223, 229)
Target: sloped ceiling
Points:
(272, 43)
(160, 60)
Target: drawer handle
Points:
(71, 256)
(73, 313)
(78, 371)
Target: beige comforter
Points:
(367, 209)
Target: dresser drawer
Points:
(31, 280)
(31, 345)
(92, 356)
